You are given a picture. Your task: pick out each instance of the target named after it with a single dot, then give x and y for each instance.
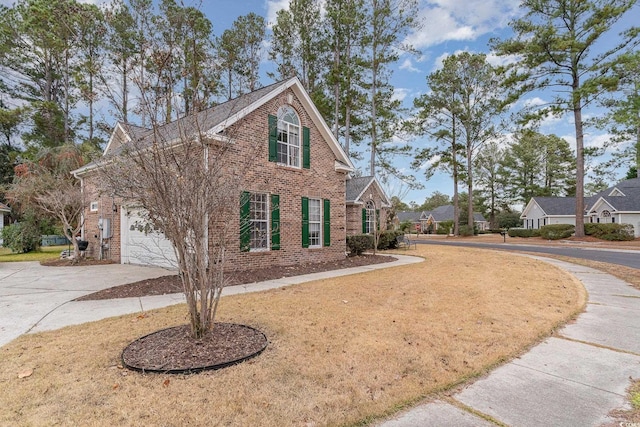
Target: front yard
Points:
(45, 253)
(341, 351)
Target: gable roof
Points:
(357, 186)
(215, 120)
(552, 206)
(4, 208)
(409, 216)
(624, 196)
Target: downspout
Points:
(82, 234)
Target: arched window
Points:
(371, 217)
(288, 137)
(606, 216)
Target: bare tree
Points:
(188, 181)
(47, 185)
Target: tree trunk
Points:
(577, 114)
(469, 186)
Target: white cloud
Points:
(400, 93)
(273, 6)
(408, 65)
(501, 61)
(445, 20)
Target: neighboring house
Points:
(419, 220)
(367, 205)
(293, 198)
(445, 213)
(617, 204)
(430, 221)
(4, 209)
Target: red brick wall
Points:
(249, 159)
(354, 212)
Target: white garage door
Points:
(141, 244)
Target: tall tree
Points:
(437, 117)
(434, 200)
(624, 114)
(482, 102)
(295, 44)
(240, 51)
(121, 39)
(487, 166)
(91, 30)
(557, 41)
(537, 165)
(388, 21)
(36, 39)
(344, 23)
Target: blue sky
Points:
(449, 26)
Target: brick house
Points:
(367, 204)
(292, 199)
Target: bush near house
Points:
(557, 231)
(359, 243)
(524, 232)
(387, 239)
(21, 237)
(611, 232)
(467, 230)
(445, 227)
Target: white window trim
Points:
(290, 129)
(371, 217)
(318, 222)
(267, 220)
(93, 207)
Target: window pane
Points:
(259, 216)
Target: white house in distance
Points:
(618, 204)
(4, 209)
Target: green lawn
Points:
(46, 252)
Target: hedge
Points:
(609, 231)
(557, 231)
(524, 232)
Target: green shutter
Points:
(305, 222)
(306, 149)
(275, 222)
(326, 216)
(364, 221)
(378, 219)
(273, 138)
(245, 221)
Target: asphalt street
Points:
(628, 258)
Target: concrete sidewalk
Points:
(34, 298)
(574, 379)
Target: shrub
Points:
(524, 232)
(387, 239)
(609, 231)
(445, 227)
(359, 243)
(557, 231)
(467, 230)
(21, 237)
(405, 226)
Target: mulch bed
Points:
(171, 284)
(174, 351)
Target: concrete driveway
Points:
(29, 292)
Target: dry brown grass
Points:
(341, 351)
